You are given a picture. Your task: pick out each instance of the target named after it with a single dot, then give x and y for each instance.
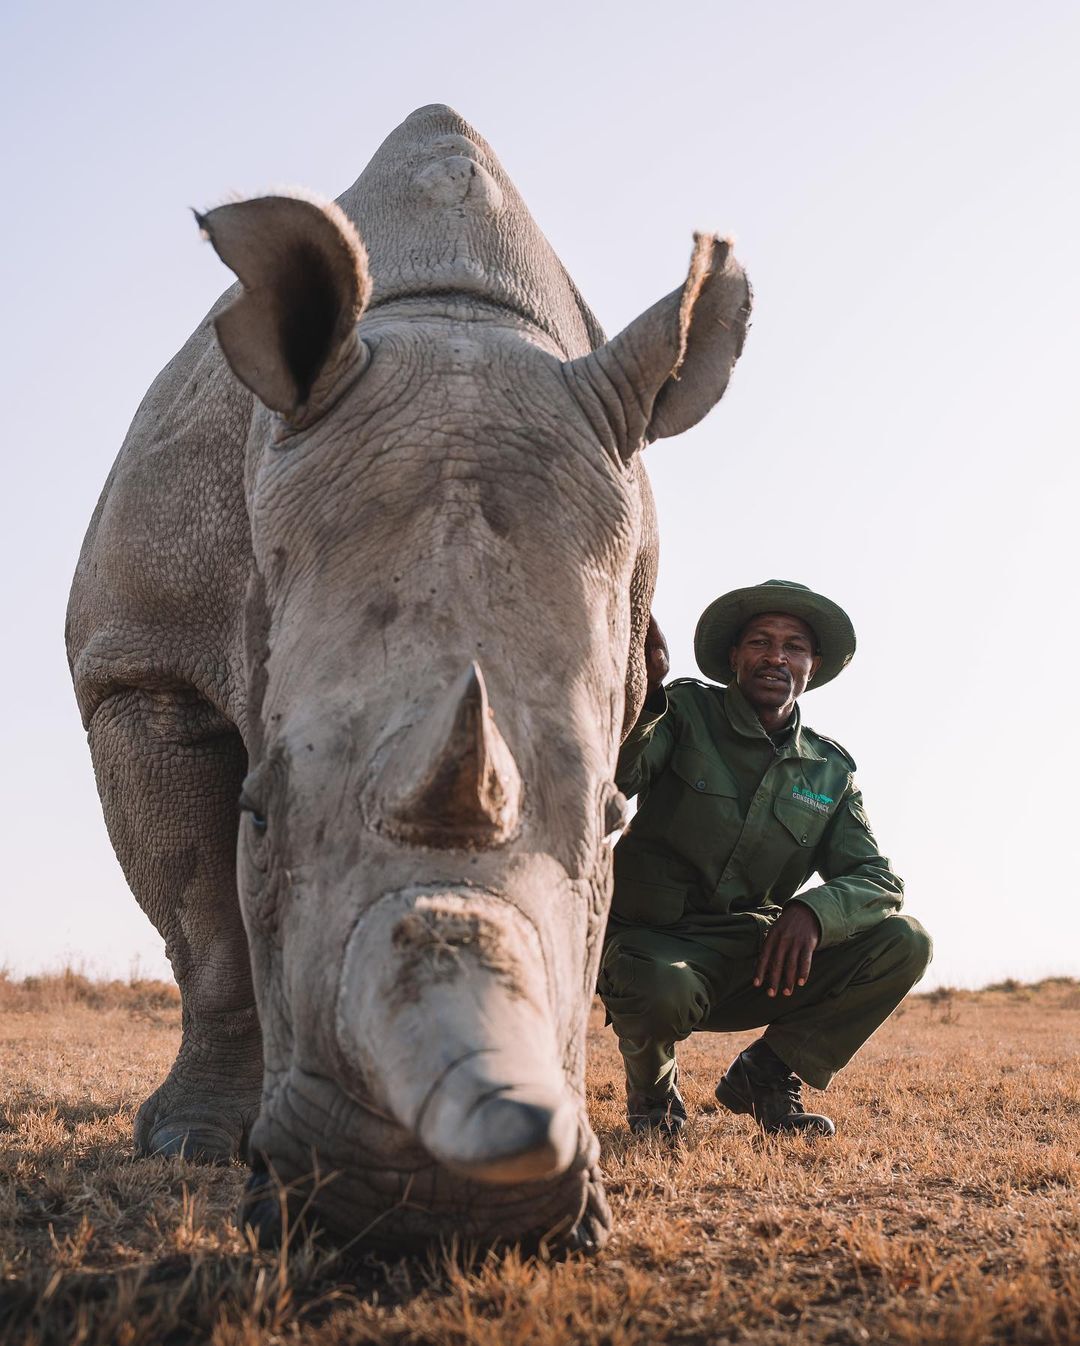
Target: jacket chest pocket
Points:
(704, 775)
(801, 824)
(702, 818)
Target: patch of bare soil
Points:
(946, 1210)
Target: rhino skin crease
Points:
(376, 559)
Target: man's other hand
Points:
(657, 662)
(784, 961)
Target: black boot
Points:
(664, 1114)
(759, 1083)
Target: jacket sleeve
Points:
(648, 746)
(860, 888)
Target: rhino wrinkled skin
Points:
(376, 559)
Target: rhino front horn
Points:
(453, 782)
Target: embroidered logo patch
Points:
(819, 803)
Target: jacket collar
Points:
(792, 741)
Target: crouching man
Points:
(740, 804)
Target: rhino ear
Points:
(306, 283)
(661, 374)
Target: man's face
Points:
(773, 660)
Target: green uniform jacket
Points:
(730, 823)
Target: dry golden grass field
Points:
(947, 1209)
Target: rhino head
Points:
(454, 560)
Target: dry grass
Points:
(946, 1211)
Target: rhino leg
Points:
(169, 769)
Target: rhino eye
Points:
(614, 810)
(258, 818)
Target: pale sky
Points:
(901, 432)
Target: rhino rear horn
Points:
(454, 782)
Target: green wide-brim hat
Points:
(721, 622)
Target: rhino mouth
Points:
(368, 1185)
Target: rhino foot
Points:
(207, 1123)
(201, 1143)
(263, 1207)
(215, 1133)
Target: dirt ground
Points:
(947, 1209)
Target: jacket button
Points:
(804, 840)
(699, 785)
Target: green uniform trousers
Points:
(662, 984)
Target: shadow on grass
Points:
(70, 1114)
(228, 1286)
(176, 1299)
(223, 1296)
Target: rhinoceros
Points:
(355, 631)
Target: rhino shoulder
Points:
(167, 551)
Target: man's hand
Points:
(784, 961)
(657, 663)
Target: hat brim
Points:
(722, 620)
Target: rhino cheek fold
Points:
(442, 1014)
